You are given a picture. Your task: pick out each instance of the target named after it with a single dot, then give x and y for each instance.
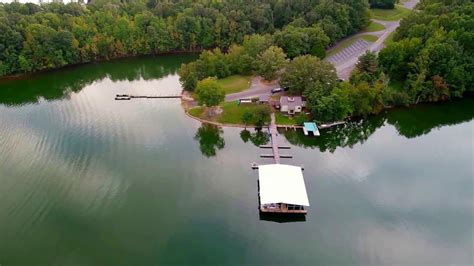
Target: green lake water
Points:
(87, 180)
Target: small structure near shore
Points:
(291, 105)
(282, 189)
(310, 127)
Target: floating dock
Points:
(122, 97)
(270, 147)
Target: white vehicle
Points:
(275, 90)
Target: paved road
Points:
(411, 4)
(345, 60)
(357, 47)
(257, 88)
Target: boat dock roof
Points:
(281, 183)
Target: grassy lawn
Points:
(232, 112)
(197, 111)
(374, 26)
(370, 38)
(347, 42)
(235, 83)
(395, 14)
(281, 119)
(389, 39)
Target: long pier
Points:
(126, 97)
(274, 145)
(274, 133)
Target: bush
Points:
(262, 115)
(384, 4)
(301, 118)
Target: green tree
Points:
(262, 115)
(307, 73)
(270, 62)
(385, 4)
(256, 44)
(297, 41)
(367, 69)
(209, 92)
(51, 35)
(188, 76)
(365, 99)
(247, 117)
(333, 107)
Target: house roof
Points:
(291, 102)
(280, 183)
(264, 98)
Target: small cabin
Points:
(282, 189)
(291, 104)
(264, 99)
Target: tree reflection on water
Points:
(341, 136)
(258, 137)
(409, 122)
(210, 139)
(60, 83)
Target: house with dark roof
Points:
(291, 104)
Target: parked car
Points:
(276, 90)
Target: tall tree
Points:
(209, 92)
(270, 62)
(307, 73)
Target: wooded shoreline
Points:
(19, 76)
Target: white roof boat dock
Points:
(282, 189)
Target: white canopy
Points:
(280, 183)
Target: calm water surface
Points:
(87, 180)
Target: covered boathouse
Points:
(282, 189)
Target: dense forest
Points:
(432, 55)
(430, 59)
(39, 37)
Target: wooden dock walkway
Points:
(121, 97)
(274, 133)
(270, 147)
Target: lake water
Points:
(87, 180)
